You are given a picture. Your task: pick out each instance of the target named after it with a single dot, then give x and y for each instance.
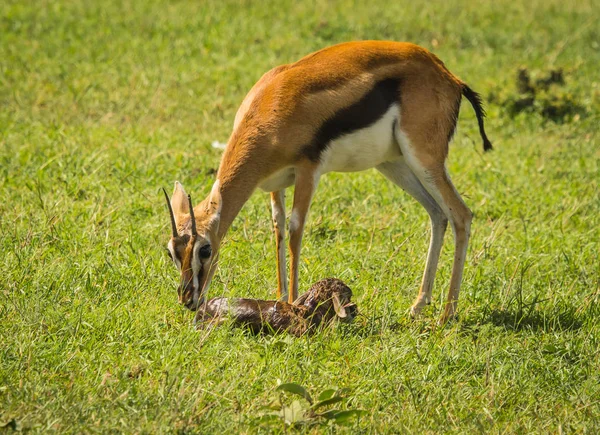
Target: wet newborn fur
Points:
(326, 300)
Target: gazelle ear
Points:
(179, 201)
(214, 204)
(338, 307)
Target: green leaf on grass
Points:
(326, 402)
(342, 417)
(294, 413)
(295, 389)
(329, 414)
(327, 394)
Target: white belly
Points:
(357, 151)
(279, 180)
(363, 149)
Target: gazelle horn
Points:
(194, 233)
(173, 224)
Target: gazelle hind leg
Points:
(434, 177)
(307, 178)
(278, 210)
(400, 174)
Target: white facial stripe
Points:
(196, 294)
(196, 265)
(172, 251)
(208, 279)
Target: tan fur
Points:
(286, 107)
(299, 97)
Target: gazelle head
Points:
(194, 243)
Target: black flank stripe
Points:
(359, 115)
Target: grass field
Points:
(104, 103)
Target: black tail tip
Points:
(487, 145)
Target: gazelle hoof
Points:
(447, 317)
(417, 307)
(414, 311)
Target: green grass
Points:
(103, 103)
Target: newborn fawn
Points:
(325, 301)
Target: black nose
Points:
(186, 292)
(186, 297)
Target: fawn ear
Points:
(338, 307)
(179, 201)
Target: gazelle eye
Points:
(205, 251)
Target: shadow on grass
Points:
(516, 320)
(532, 320)
(366, 326)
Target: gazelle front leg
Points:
(307, 178)
(278, 209)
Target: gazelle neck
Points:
(237, 182)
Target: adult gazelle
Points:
(354, 106)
